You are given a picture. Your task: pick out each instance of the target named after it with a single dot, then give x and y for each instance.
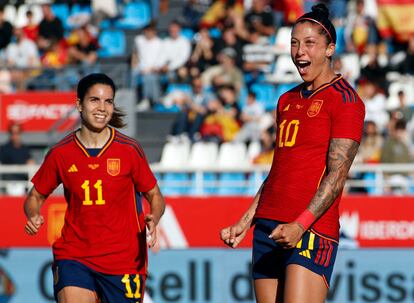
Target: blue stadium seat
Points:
(229, 184)
(184, 87)
(411, 188)
(283, 88)
(171, 184)
(209, 185)
(265, 94)
(136, 15)
(62, 12)
(112, 43)
(369, 177)
(157, 176)
(243, 97)
(79, 8)
(214, 32)
(255, 181)
(161, 108)
(340, 40)
(187, 33)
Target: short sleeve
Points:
(47, 178)
(144, 179)
(348, 119)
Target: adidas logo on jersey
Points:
(305, 253)
(73, 169)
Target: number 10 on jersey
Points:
(288, 132)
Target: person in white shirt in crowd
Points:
(22, 56)
(251, 116)
(375, 104)
(146, 63)
(176, 53)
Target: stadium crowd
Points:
(219, 64)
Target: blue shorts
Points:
(270, 260)
(128, 288)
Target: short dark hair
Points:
(12, 125)
(99, 78)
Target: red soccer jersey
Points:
(305, 127)
(104, 224)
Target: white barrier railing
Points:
(376, 179)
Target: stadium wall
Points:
(375, 262)
(222, 276)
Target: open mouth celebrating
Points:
(303, 66)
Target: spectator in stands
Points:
(50, 29)
(202, 56)
(222, 121)
(225, 73)
(6, 30)
(176, 53)
(397, 149)
(250, 117)
(146, 65)
(375, 104)
(31, 29)
(338, 11)
(55, 56)
(407, 64)
(397, 145)
(254, 30)
(84, 49)
(22, 57)
(260, 19)
(193, 11)
(229, 39)
(374, 71)
(267, 145)
(82, 55)
(339, 68)
(6, 85)
(53, 75)
(403, 111)
(371, 144)
(220, 13)
(193, 112)
(15, 152)
(103, 9)
(360, 30)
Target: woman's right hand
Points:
(233, 235)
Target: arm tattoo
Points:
(340, 156)
(246, 219)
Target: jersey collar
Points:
(104, 148)
(320, 88)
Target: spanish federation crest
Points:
(113, 166)
(314, 108)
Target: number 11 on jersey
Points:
(98, 187)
